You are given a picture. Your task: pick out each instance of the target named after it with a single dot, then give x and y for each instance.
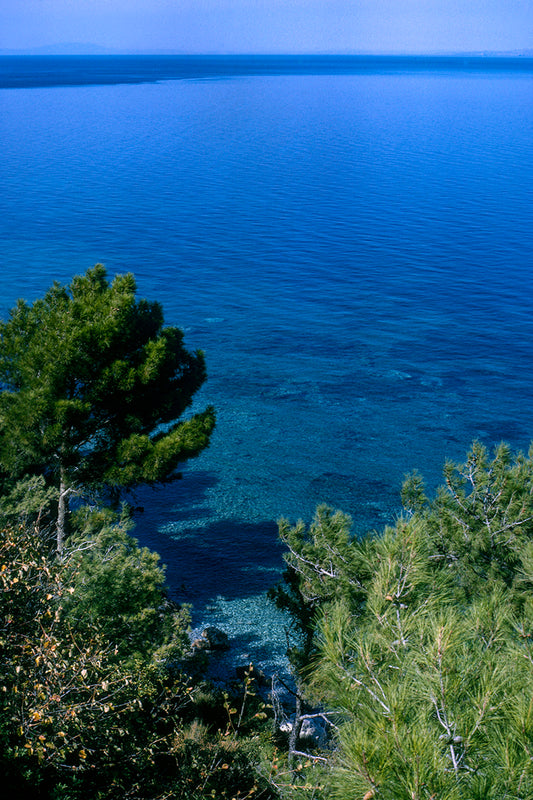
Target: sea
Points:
(348, 239)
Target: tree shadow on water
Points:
(224, 558)
(183, 498)
(206, 558)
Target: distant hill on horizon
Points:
(88, 49)
(65, 49)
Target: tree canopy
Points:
(96, 694)
(93, 389)
(423, 636)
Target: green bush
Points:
(423, 637)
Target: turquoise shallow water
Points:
(353, 251)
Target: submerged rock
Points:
(211, 639)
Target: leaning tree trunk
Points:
(62, 508)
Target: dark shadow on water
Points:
(222, 567)
(208, 556)
(186, 494)
(224, 558)
(248, 649)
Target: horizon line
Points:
(101, 51)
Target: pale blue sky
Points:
(270, 26)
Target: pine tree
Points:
(93, 388)
(427, 665)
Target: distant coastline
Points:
(32, 71)
(92, 49)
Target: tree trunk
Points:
(296, 728)
(62, 508)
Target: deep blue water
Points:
(349, 242)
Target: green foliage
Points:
(425, 645)
(77, 717)
(320, 555)
(30, 501)
(429, 692)
(93, 389)
(120, 587)
(215, 766)
(67, 710)
(481, 522)
(94, 698)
